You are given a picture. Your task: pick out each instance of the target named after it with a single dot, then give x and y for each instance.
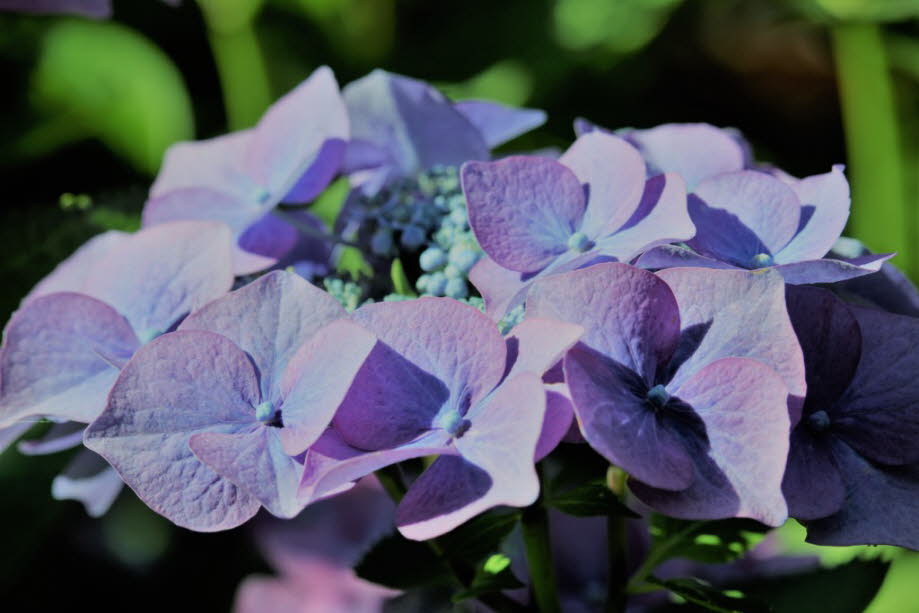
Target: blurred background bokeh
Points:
(88, 107)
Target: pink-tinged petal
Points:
(59, 437)
(695, 151)
(813, 486)
(556, 424)
(215, 164)
(497, 123)
(179, 385)
(618, 422)
(331, 465)
(71, 274)
(9, 434)
(164, 272)
(535, 345)
(289, 140)
(496, 467)
(830, 270)
(825, 201)
(661, 218)
(629, 314)
(502, 289)
(316, 380)
(741, 314)
(672, 256)
(269, 319)
(61, 354)
(452, 341)
(765, 205)
(738, 473)
(96, 9)
(411, 120)
(255, 462)
(90, 480)
(523, 209)
(614, 174)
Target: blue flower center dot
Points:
(658, 396)
(761, 260)
(147, 335)
(579, 242)
(818, 421)
(455, 424)
(262, 195)
(267, 413)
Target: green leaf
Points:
(710, 598)
(480, 536)
(351, 261)
(593, 498)
(712, 542)
(330, 202)
(493, 575)
(859, 10)
(848, 588)
(402, 564)
(578, 483)
(400, 283)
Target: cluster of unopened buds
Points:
(664, 300)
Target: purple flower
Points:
(402, 126)
(443, 382)
(63, 348)
(853, 469)
(535, 216)
(204, 423)
(290, 156)
(683, 380)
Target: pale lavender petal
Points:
(812, 485)
(523, 209)
(695, 151)
(831, 271)
(269, 319)
(71, 274)
(500, 444)
(672, 256)
(741, 314)
(289, 140)
(60, 356)
(164, 272)
(825, 199)
(502, 289)
(413, 121)
(9, 434)
(179, 385)
(215, 164)
(629, 314)
(535, 345)
(90, 480)
(556, 424)
(255, 462)
(497, 123)
(97, 9)
(661, 218)
(739, 472)
(880, 507)
(59, 437)
(332, 465)
(765, 205)
(614, 175)
(316, 380)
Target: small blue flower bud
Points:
(658, 396)
(452, 272)
(761, 260)
(579, 242)
(381, 242)
(456, 288)
(463, 257)
(413, 237)
(432, 258)
(422, 283)
(458, 216)
(437, 283)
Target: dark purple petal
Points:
(523, 209)
(826, 198)
(629, 314)
(889, 290)
(498, 123)
(269, 319)
(558, 421)
(739, 468)
(614, 174)
(89, 480)
(179, 385)
(812, 485)
(61, 354)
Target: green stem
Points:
(880, 216)
(618, 563)
(239, 59)
(657, 555)
(390, 478)
(535, 526)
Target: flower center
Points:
(658, 396)
(145, 336)
(579, 242)
(819, 421)
(761, 260)
(455, 424)
(268, 414)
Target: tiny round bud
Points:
(432, 258)
(413, 237)
(381, 242)
(437, 283)
(456, 288)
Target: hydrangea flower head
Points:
(291, 155)
(63, 348)
(853, 468)
(688, 380)
(205, 423)
(535, 216)
(443, 382)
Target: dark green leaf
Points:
(493, 575)
(402, 564)
(593, 498)
(712, 542)
(400, 283)
(710, 598)
(479, 536)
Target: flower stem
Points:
(880, 217)
(618, 563)
(535, 526)
(239, 59)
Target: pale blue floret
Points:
(456, 288)
(437, 284)
(579, 242)
(511, 319)
(432, 258)
(413, 237)
(463, 257)
(761, 260)
(381, 242)
(452, 272)
(658, 396)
